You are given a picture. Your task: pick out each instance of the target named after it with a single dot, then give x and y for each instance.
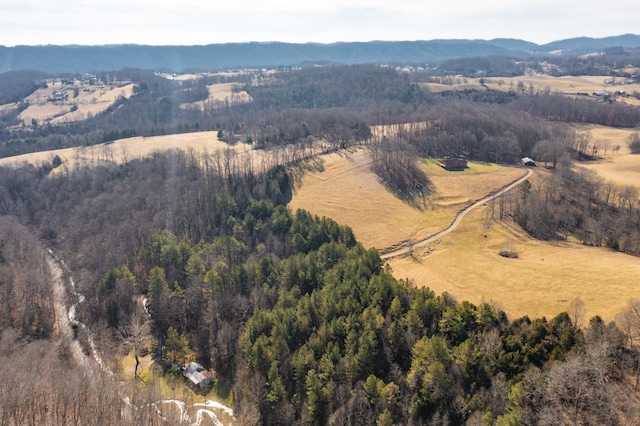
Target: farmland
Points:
(73, 101)
(464, 264)
(283, 230)
(579, 86)
(544, 279)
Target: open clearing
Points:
(571, 85)
(621, 168)
(346, 190)
(63, 103)
(219, 95)
(542, 281)
(128, 149)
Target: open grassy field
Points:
(542, 281)
(218, 95)
(346, 190)
(621, 168)
(606, 138)
(57, 104)
(571, 85)
(128, 149)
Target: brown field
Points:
(621, 168)
(47, 107)
(542, 281)
(128, 149)
(347, 191)
(203, 144)
(606, 138)
(567, 84)
(218, 95)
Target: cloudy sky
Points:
(198, 22)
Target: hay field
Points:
(241, 156)
(622, 168)
(566, 84)
(219, 94)
(128, 149)
(56, 103)
(345, 189)
(612, 136)
(543, 281)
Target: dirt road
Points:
(457, 220)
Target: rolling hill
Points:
(77, 58)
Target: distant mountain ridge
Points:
(81, 59)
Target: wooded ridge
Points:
(81, 59)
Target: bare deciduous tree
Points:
(135, 336)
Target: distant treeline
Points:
(336, 104)
(217, 57)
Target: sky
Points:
(200, 22)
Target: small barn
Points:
(453, 163)
(197, 375)
(526, 161)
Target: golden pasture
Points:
(621, 168)
(56, 103)
(219, 94)
(542, 281)
(346, 190)
(539, 83)
(128, 149)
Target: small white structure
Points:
(526, 161)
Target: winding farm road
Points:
(457, 220)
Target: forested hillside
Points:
(82, 59)
(307, 324)
(303, 323)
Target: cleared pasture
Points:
(622, 170)
(128, 149)
(343, 187)
(219, 94)
(542, 281)
(58, 103)
(240, 157)
(620, 167)
(572, 85)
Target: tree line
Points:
(335, 104)
(581, 205)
